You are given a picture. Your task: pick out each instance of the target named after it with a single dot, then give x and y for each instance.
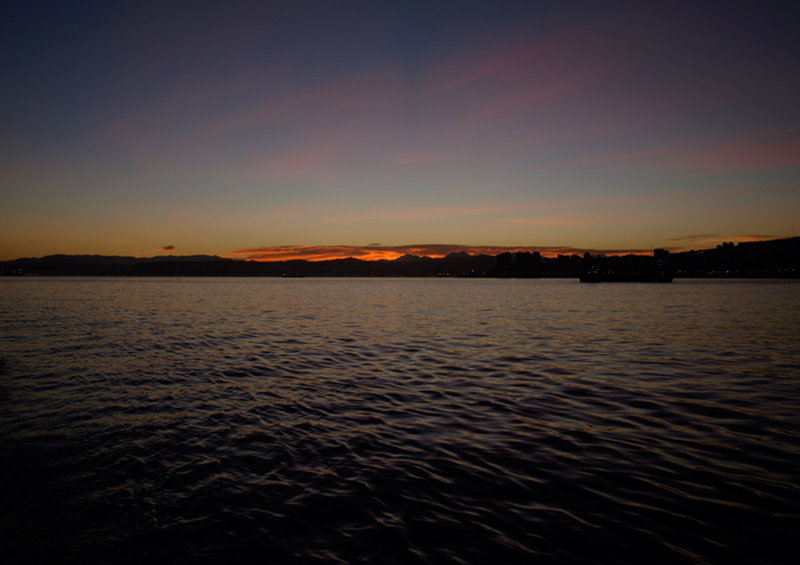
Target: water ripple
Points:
(399, 421)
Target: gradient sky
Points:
(249, 129)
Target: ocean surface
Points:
(399, 421)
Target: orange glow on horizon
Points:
(391, 253)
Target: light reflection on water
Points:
(399, 420)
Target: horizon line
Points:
(379, 252)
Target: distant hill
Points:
(774, 258)
(408, 258)
(210, 265)
(119, 260)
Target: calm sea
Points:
(399, 421)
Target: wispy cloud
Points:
(707, 240)
(695, 160)
(695, 237)
(600, 160)
(327, 252)
(386, 252)
(746, 238)
(156, 250)
(406, 158)
(738, 157)
(299, 133)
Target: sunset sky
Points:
(334, 128)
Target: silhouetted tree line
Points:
(775, 258)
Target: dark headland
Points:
(779, 258)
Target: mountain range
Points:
(773, 258)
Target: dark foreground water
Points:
(394, 421)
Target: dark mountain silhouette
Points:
(458, 255)
(408, 258)
(775, 258)
(119, 260)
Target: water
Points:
(399, 421)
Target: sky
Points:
(271, 130)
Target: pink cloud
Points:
(387, 252)
(318, 154)
(499, 90)
(414, 158)
(737, 157)
(336, 132)
(698, 160)
(313, 125)
(590, 161)
(532, 94)
(517, 54)
(321, 101)
(328, 252)
(486, 61)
